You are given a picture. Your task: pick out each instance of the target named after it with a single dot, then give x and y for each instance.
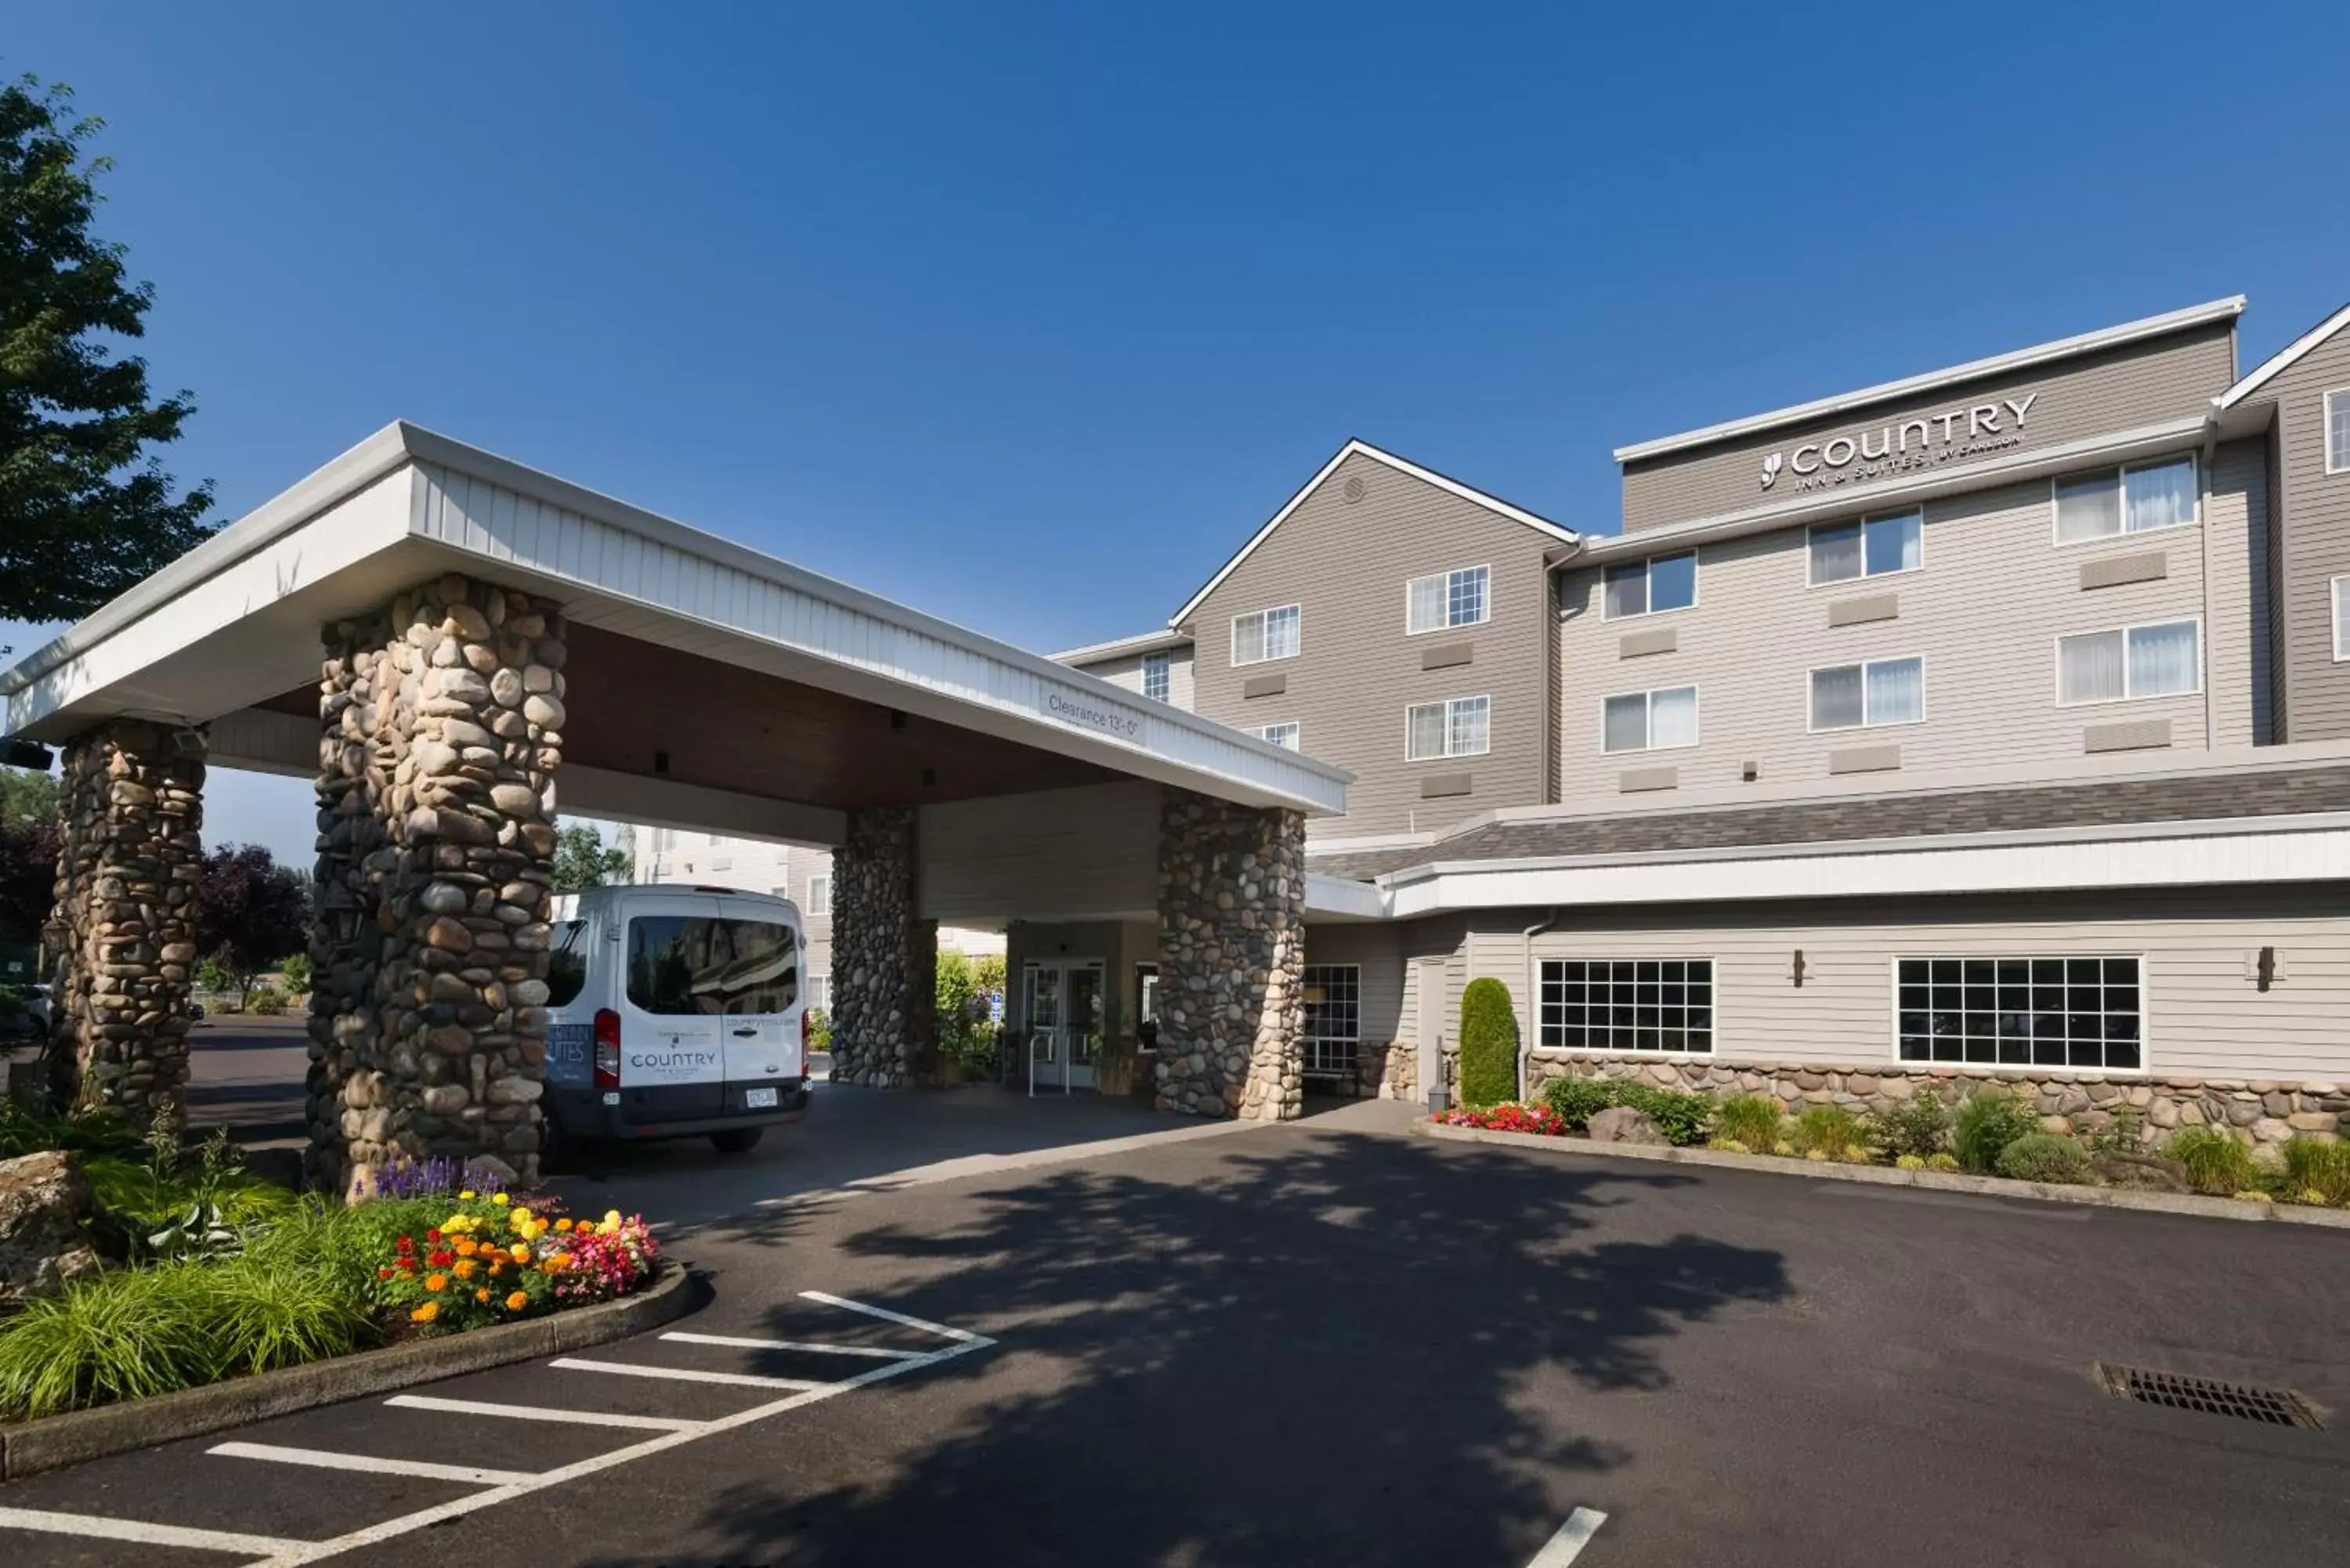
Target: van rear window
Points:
(692, 964)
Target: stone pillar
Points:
(130, 808)
(884, 956)
(441, 732)
(1232, 958)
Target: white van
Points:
(675, 1012)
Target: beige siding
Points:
(2205, 1014)
(1374, 948)
(1345, 564)
(2236, 594)
(1089, 853)
(2139, 384)
(1126, 672)
(1984, 613)
(2316, 539)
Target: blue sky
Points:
(1029, 315)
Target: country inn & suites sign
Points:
(1903, 447)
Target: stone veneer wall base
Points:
(884, 956)
(1232, 958)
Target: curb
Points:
(1888, 1176)
(54, 1442)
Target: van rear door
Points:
(759, 979)
(672, 1064)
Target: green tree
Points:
(965, 1031)
(1488, 1044)
(581, 861)
(26, 799)
(86, 511)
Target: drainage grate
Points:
(2274, 1407)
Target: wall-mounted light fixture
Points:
(2265, 973)
(1796, 973)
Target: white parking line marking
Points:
(298, 1552)
(681, 1374)
(146, 1534)
(1573, 1536)
(537, 1413)
(923, 1323)
(323, 1459)
(791, 1344)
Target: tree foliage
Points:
(966, 1033)
(1488, 1044)
(250, 911)
(28, 878)
(26, 799)
(86, 510)
(581, 861)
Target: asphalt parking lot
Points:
(1307, 1346)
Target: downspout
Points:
(1534, 1009)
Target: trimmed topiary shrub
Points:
(1488, 1044)
(2044, 1156)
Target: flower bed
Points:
(490, 1259)
(1508, 1116)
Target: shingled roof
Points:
(2086, 803)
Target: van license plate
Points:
(758, 1099)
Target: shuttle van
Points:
(675, 1012)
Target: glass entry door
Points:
(1065, 1022)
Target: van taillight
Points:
(608, 1049)
(803, 1042)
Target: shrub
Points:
(268, 1000)
(2043, 1156)
(2216, 1164)
(1914, 1127)
(295, 972)
(1578, 1100)
(1752, 1120)
(1488, 1044)
(1679, 1115)
(819, 1029)
(1827, 1132)
(1908, 1162)
(1727, 1144)
(1944, 1162)
(2322, 1168)
(2118, 1136)
(1985, 1125)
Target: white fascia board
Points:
(1122, 647)
(1401, 465)
(2116, 447)
(2316, 848)
(1998, 364)
(1344, 898)
(2285, 358)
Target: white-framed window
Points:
(1627, 1004)
(1461, 598)
(2052, 1010)
(820, 898)
(1457, 727)
(1869, 547)
(1652, 586)
(1333, 1018)
(1267, 635)
(2162, 659)
(819, 992)
(1863, 696)
(1155, 679)
(1648, 721)
(1284, 734)
(2341, 619)
(2338, 431)
(2137, 498)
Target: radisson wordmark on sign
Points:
(1904, 446)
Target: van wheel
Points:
(736, 1140)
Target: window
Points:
(1650, 721)
(1459, 727)
(2131, 662)
(2341, 618)
(820, 898)
(1626, 1004)
(1283, 735)
(2338, 431)
(1651, 587)
(1267, 634)
(2125, 501)
(1333, 994)
(1872, 547)
(819, 992)
(1446, 599)
(1154, 676)
(692, 964)
(567, 965)
(2021, 1011)
(1856, 696)
(1146, 1005)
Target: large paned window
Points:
(1627, 1004)
(1858, 696)
(1266, 634)
(1650, 721)
(819, 992)
(1873, 548)
(1457, 727)
(2338, 431)
(2130, 663)
(1333, 1018)
(1154, 677)
(1448, 599)
(2134, 500)
(2022, 1011)
(1284, 734)
(1652, 586)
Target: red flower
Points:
(405, 1245)
(383, 1274)
(432, 1235)
(441, 1259)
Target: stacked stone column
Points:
(130, 808)
(441, 732)
(884, 956)
(1232, 958)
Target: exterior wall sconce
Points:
(1796, 973)
(2265, 973)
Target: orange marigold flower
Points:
(521, 1252)
(468, 1247)
(426, 1312)
(436, 1282)
(563, 1224)
(465, 1269)
(483, 1294)
(517, 1302)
